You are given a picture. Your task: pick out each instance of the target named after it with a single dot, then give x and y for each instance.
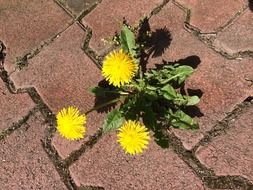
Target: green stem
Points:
(140, 71)
(103, 105)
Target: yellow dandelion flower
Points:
(133, 137)
(70, 123)
(119, 68)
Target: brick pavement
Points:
(50, 56)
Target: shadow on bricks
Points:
(192, 61)
(251, 5)
(2, 53)
(155, 42)
(104, 98)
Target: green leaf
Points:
(149, 87)
(113, 120)
(192, 100)
(127, 41)
(149, 118)
(179, 74)
(181, 120)
(98, 91)
(103, 92)
(168, 92)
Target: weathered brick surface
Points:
(231, 153)
(25, 24)
(13, 107)
(23, 162)
(238, 37)
(107, 18)
(209, 16)
(107, 166)
(215, 76)
(62, 74)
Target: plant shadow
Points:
(99, 100)
(2, 53)
(251, 5)
(155, 42)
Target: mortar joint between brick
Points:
(62, 6)
(158, 8)
(87, 11)
(75, 155)
(23, 61)
(97, 60)
(58, 163)
(232, 19)
(224, 124)
(206, 175)
(5, 133)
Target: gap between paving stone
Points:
(223, 125)
(208, 175)
(202, 13)
(49, 118)
(30, 168)
(25, 25)
(23, 61)
(231, 154)
(209, 38)
(241, 42)
(7, 132)
(78, 8)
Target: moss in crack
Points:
(57, 161)
(84, 147)
(18, 124)
(224, 124)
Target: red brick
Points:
(107, 166)
(238, 37)
(208, 17)
(13, 107)
(62, 74)
(25, 24)
(222, 81)
(231, 153)
(23, 162)
(107, 18)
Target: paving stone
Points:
(231, 153)
(13, 107)
(107, 18)
(25, 24)
(62, 74)
(107, 166)
(23, 162)
(76, 7)
(238, 37)
(220, 80)
(208, 17)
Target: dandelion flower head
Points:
(119, 68)
(70, 123)
(133, 137)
